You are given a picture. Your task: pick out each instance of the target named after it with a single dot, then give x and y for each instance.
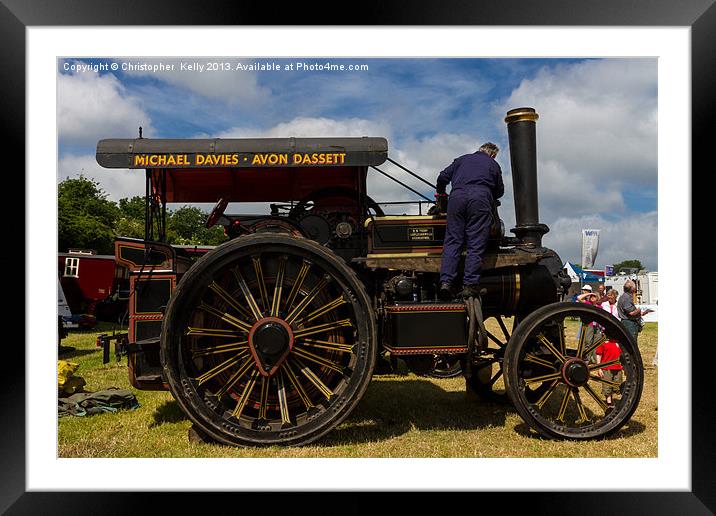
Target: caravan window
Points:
(72, 267)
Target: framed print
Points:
(88, 80)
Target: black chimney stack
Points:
(521, 125)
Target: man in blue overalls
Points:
(476, 185)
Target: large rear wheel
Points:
(268, 339)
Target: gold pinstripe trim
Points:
(158, 316)
(427, 351)
(404, 218)
(517, 289)
(403, 255)
(411, 251)
(428, 310)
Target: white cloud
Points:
(89, 105)
(227, 85)
(632, 237)
(424, 156)
(597, 131)
(117, 183)
(307, 127)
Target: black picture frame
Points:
(17, 15)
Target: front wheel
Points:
(554, 378)
(268, 340)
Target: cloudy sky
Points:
(596, 136)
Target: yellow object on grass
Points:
(66, 381)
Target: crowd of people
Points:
(622, 307)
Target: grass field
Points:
(400, 416)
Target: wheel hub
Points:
(270, 342)
(575, 372)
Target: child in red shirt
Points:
(607, 352)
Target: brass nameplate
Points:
(421, 233)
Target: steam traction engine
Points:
(273, 336)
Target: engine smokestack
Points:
(521, 130)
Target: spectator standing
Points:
(586, 289)
(629, 314)
(608, 352)
(602, 293)
(610, 305)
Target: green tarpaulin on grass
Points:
(89, 403)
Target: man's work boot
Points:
(471, 291)
(445, 291)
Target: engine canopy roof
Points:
(247, 169)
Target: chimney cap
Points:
(523, 114)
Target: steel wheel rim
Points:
(319, 381)
(562, 404)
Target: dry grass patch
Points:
(400, 416)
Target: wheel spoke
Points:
(245, 395)
(494, 378)
(582, 336)
(495, 339)
(225, 316)
(545, 378)
(226, 364)
(317, 359)
(313, 379)
(551, 347)
(582, 413)
(543, 399)
(305, 266)
(503, 328)
(243, 369)
(297, 385)
(300, 307)
(332, 346)
(278, 288)
(562, 340)
(322, 328)
(260, 279)
(594, 346)
(228, 298)
(603, 380)
(263, 405)
(247, 294)
(212, 332)
(529, 357)
(596, 397)
(224, 348)
(602, 365)
(282, 399)
(563, 405)
(339, 301)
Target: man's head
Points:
(586, 289)
(601, 288)
(490, 149)
(629, 286)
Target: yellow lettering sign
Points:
(227, 160)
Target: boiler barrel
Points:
(517, 290)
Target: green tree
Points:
(185, 226)
(86, 218)
(627, 264)
(131, 218)
(132, 207)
